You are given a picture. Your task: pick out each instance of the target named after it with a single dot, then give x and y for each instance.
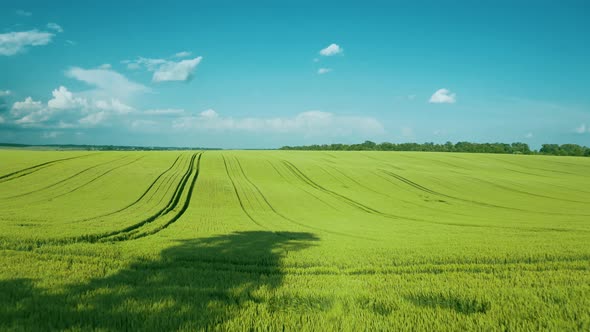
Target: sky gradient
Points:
(263, 74)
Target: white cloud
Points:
(105, 66)
(443, 96)
(25, 13)
(182, 54)
(114, 105)
(51, 134)
(529, 135)
(93, 119)
(311, 123)
(29, 111)
(12, 43)
(165, 70)
(176, 71)
(582, 129)
(27, 105)
(70, 42)
(35, 118)
(64, 99)
(209, 114)
(68, 110)
(55, 27)
(2, 120)
(168, 111)
(322, 71)
(4, 93)
(149, 64)
(316, 60)
(108, 83)
(333, 49)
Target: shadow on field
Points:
(195, 285)
(452, 302)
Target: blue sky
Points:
(238, 74)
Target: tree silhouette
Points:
(195, 285)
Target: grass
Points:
(272, 240)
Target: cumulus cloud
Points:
(331, 50)
(105, 66)
(26, 105)
(4, 93)
(12, 43)
(322, 71)
(108, 83)
(67, 110)
(2, 120)
(64, 99)
(529, 135)
(443, 96)
(165, 70)
(582, 129)
(30, 112)
(55, 27)
(310, 123)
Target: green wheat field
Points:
(292, 240)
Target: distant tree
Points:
(517, 147)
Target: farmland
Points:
(272, 240)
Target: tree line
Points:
(513, 148)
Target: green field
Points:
(273, 240)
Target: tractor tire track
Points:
(383, 161)
(302, 189)
(184, 206)
(397, 217)
(523, 192)
(285, 217)
(168, 184)
(66, 179)
(342, 198)
(167, 180)
(344, 184)
(356, 182)
(124, 234)
(138, 199)
(535, 168)
(430, 191)
(127, 233)
(92, 180)
(240, 198)
(33, 169)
